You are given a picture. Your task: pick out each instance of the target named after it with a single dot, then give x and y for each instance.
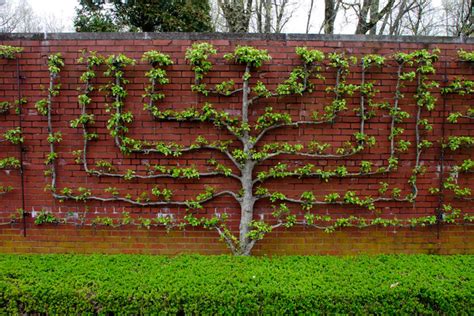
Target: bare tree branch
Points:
(310, 11)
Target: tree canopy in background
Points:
(143, 16)
(383, 17)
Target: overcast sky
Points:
(64, 10)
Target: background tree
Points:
(367, 13)
(92, 17)
(392, 22)
(458, 17)
(263, 10)
(331, 9)
(391, 17)
(421, 20)
(310, 12)
(260, 16)
(18, 17)
(52, 24)
(414, 17)
(143, 16)
(273, 15)
(397, 17)
(237, 14)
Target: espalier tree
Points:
(251, 160)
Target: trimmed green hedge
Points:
(123, 284)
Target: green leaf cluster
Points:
(45, 217)
(10, 163)
(198, 56)
(55, 63)
(9, 52)
(14, 136)
(466, 56)
(248, 55)
(457, 142)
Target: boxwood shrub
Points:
(139, 284)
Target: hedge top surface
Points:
(236, 285)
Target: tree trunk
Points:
(259, 15)
(374, 8)
(268, 16)
(237, 14)
(330, 13)
(246, 208)
(248, 199)
(471, 16)
(416, 27)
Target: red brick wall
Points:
(445, 239)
